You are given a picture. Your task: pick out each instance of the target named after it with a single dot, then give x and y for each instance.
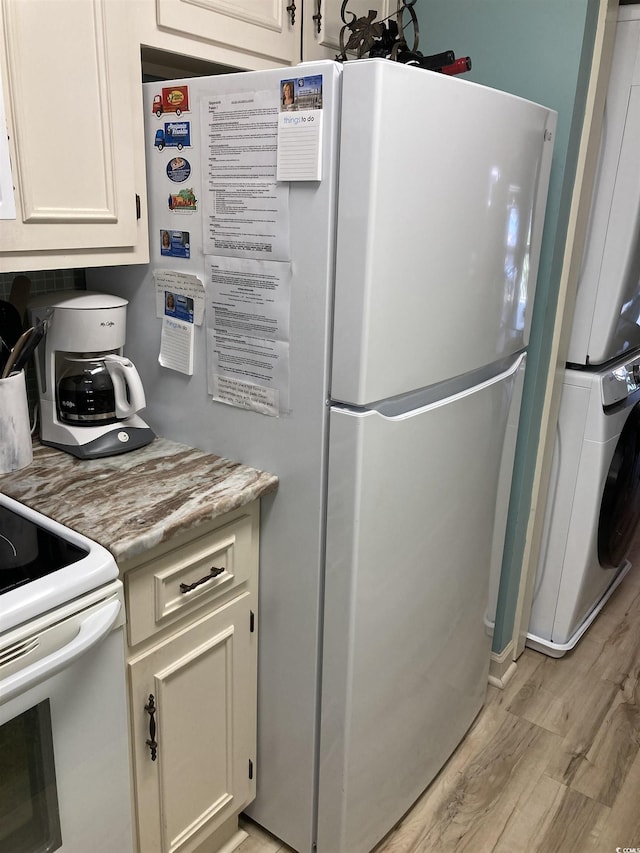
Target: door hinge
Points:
(252, 621)
(250, 769)
(137, 206)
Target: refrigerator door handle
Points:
(398, 411)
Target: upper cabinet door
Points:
(261, 28)
(322, 24)
(68, 71)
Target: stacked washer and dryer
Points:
(593, 505)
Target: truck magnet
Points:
(175, 134)
(172, 99)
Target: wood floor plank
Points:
(537, 824)
(530, 817)
(600, 771)
(577, 821)
(552, 696)
(468, 810)
(622, 826)
(578, 744)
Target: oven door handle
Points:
(93, 629)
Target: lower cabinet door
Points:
(193, 702)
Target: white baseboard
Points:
(502, 667)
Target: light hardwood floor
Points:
(551, 764)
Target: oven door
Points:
(64, 767)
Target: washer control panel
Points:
(622, 380)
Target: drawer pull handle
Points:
(187, 587)
(150, 708)
(291, 9)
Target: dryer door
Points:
(620, 509)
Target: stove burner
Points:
(29, 551)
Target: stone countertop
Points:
(136, 500)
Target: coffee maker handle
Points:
(125, 378)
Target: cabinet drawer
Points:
(174, 584)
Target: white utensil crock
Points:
(15, 436)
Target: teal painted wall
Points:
(540, 50)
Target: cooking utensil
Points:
(23, 350)
(29, 347)
(10, 330)
(15, 352)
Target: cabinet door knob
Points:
(291, 9)
(150, 708)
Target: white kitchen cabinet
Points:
(192, 671)
(71, 74)
(261, 33)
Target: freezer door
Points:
(437, 244)
(411, 504)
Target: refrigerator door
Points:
(411, 502)
(438, 243)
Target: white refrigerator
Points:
(405, 229)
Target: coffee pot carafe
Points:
(90, 394)
(98, 389)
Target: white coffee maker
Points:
(89, 393)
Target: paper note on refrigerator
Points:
(176, 345)
(187, 292)
(300, 146)
(246, 211)
(247, 319)
(300, 129)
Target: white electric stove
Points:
(64, 765)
